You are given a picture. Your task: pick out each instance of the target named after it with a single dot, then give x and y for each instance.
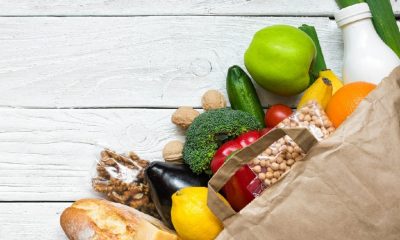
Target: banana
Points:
(336, 82)
(320, 91)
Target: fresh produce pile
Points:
(281, 59)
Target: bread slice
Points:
(95, 219)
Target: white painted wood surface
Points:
(171, 7)
(46, 155)
(132, 62)
(31, 221)
(114, 66)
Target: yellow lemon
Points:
(191, 217)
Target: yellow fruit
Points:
(336, 82)
(320, 91)
(191, 217)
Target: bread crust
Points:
(96, 219)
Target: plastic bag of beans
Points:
(282, 155)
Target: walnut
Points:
(121, 179)
(184, 116)
(172, 151)
(213, 99)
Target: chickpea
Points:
(275, 166)
(327, 123)
(305, 110)
(307, 118)
(273, 180)
(275, 152)
(314, 118)
(290, 162)
(269, 175)
(261, 176)
(279, 159)
(277, 174)
(295, 155)
(290, 149)
(269, 169)
(282, 166)
(288, 156)
(268, 151)
(267, 182)
(301, 117)
(263, 163)
(297, 149)
(257, 169)
(256, 161)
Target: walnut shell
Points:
(173, 151)
(184, 116)
(213, 99)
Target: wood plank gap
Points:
(108, 107)
(170, 15)
(330, 16)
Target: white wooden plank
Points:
(47, 154)
(132, 62)
(31, 221)
(160, 7)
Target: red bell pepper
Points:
(236, 189)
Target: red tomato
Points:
(276, 114)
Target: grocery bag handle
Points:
(301, 136)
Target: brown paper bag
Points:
(347, 187)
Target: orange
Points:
(346, 100)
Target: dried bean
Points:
(275, 166)
(257, 169)
(261, 176)
(269, 175)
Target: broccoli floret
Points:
(204, 135)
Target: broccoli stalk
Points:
(207, 132)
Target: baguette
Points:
(95, 219)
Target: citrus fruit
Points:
(346, 100)
(191, 217)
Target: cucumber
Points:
(242, 94)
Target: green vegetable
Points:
(319, 62)
(242, 94)
(346, 3)
(209, 130)
(279, 59)
(385, 23)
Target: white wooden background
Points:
(77, 76)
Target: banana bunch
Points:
(322, 89)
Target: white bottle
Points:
(366, 57)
